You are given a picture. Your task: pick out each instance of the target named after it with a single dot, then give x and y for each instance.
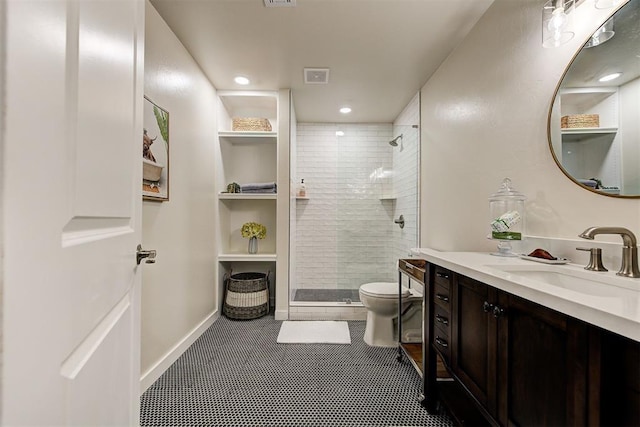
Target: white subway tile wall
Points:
(344, 229)
(345, 234)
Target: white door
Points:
(72, 160)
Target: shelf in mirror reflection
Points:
(584, 134)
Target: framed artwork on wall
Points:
(155, 152)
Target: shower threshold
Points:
(338, 296)
(325, 304)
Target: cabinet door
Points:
(474, 339)
(542, 365)
(615, 380)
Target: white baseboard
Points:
(281, 315)
(153, 373)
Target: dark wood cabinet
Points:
(441, 311)
(542, 365)
(519, 363)
(616, 380)
(474, 340)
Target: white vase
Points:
(253, 245)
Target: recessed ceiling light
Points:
(609, 77)
(241, 80)
(345, 110)
(339, 133)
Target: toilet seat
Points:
(383, 290)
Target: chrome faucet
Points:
(629, 267)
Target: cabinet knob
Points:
(441, 319)
(441, 342)
(443, 275)
(487, 307)
(497, 311)
(442, 297)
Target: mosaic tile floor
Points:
(236, 374)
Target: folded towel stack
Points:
(259, 187)
(588, 182)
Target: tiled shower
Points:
(357, 184)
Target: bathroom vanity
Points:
(528, 343)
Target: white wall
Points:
(180, 290)
(2, 155)
(343, 230)
(484, 117)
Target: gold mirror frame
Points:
(549, 118)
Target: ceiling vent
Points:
(316, 76)
(280, 3)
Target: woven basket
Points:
(580, 121)
(247, 296)
(250, 124)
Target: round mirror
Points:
(594, 122)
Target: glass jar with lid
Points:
(506, 208)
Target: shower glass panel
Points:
(357, 184)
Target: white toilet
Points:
(381, 302)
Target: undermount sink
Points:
(570, 278)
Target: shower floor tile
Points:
(237, 375)
(326, 295)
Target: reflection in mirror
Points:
(594, 122)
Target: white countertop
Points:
(614, 306)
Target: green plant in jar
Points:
(253, 229)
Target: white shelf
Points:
(581, 131)
(247, 196)
(587, 134)
(589, 96)
(302, 198)
(388, 197)
(247, 257)
(249, 137)
(253, 157)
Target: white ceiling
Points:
(380, 52)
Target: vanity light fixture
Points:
(345, 110)
(601, 35)
(241, 80)
(557, 25)
(609, 77)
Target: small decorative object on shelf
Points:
(234, 187)
(302, 189)
(580, 121)
(250, 124)
(253, 231)
(507, 217)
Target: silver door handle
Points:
(142, 254)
